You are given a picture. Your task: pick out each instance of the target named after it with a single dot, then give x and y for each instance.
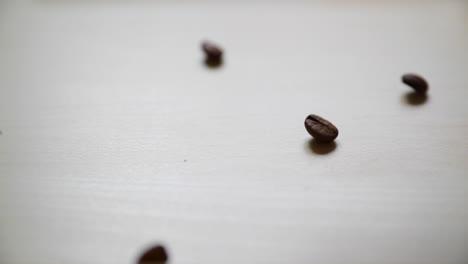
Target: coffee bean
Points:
(214, 54)
(416, 82)
(154, 255)
(321, 129)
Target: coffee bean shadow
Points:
(321, 148)
(415, 99)
(213, 64)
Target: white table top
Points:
(115, 135)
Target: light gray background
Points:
(102, 101)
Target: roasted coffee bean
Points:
(418, 83)
(214, 53)
(321, 129)
(154, 255)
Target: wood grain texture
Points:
(115, 135)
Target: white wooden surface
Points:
(115, 135)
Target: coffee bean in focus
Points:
(321, 129)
